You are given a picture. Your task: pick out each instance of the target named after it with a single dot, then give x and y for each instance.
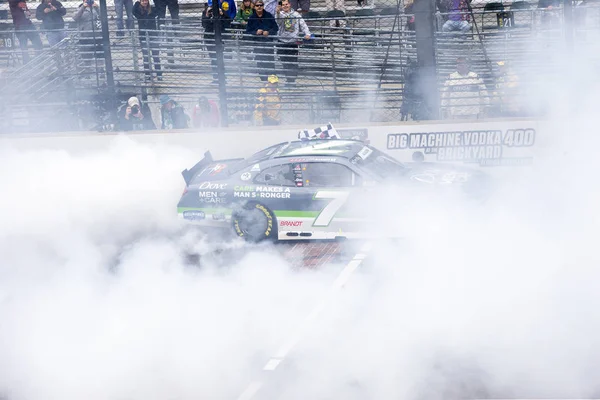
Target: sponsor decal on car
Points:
(193, 215)
(262, 192)
(291, 223)
(246, 176)
(218, 217)
(217, 169)
(206, 196)
(255, 168)
(213, 186)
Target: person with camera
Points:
(148, 35)
(87, 17)
(51, 13)
(262, 27)
(133, 116)
(208, 23)
(290, 24)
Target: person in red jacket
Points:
(206, 114)
(24, 28)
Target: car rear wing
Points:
(188, 174)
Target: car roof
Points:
(320, 147)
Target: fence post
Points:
(218, 26)
(110, 79)
(424, 11)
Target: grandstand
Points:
(356, 71)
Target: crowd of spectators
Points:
(270, 25)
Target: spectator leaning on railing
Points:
(51, 13)
(24, 28)
(262, 27)
(146, 16)
(290, 24)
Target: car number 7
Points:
(338, 199)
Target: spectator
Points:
(290, 24)
(244, 12)
(263, 27)
(206, 114)
(458, 15)
(24, 28)
(128, 4)
(87, 17)
(209, 29)
(172, 114)
(161, 7)
(146, 16)
(302, 6)
(266, 112)
(134, 116)
(464, 94)
(51, 13)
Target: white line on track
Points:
(289, 344)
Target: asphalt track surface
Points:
(270, 380)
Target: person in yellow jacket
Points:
(266, 112)
(464, 94)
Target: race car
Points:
(303, 189)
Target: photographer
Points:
(51, 13)
(135, 117)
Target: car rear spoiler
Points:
(188, 174)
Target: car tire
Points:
(255, 223)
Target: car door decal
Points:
(338, 199)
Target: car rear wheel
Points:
(255, 223)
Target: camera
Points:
(135, 110)
(280, 3)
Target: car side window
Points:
(328, 175)
(279, 175)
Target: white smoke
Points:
(98, 302)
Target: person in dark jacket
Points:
(51, 13)
(161, 7)
(148, 34)
(134, 116)
(24, 28)
(208, 23)
(263, 27)
(172, 114)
